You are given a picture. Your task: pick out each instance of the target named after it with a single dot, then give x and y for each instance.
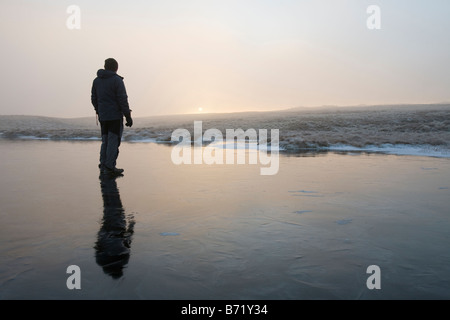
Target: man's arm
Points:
(94, 98)
(122, 99)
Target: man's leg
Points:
(104, 146)
(114, 137)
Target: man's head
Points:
(111, 65)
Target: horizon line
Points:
(255, 111)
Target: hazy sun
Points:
(200, 109)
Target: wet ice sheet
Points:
(225, 231)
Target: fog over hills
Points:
(299, 128)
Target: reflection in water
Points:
(112, 249)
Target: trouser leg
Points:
(113, 139)
(104, 146)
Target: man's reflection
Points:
(112, 249)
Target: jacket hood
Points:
(102, 73)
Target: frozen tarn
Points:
(398, 149)
(165, 234)
(344, 221)
(56, 138)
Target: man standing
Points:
(110, 101)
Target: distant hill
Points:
(299, 128)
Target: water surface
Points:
(221, 231)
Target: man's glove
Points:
(129, 122)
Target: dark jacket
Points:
(109, 97)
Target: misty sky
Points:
(223, 56)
